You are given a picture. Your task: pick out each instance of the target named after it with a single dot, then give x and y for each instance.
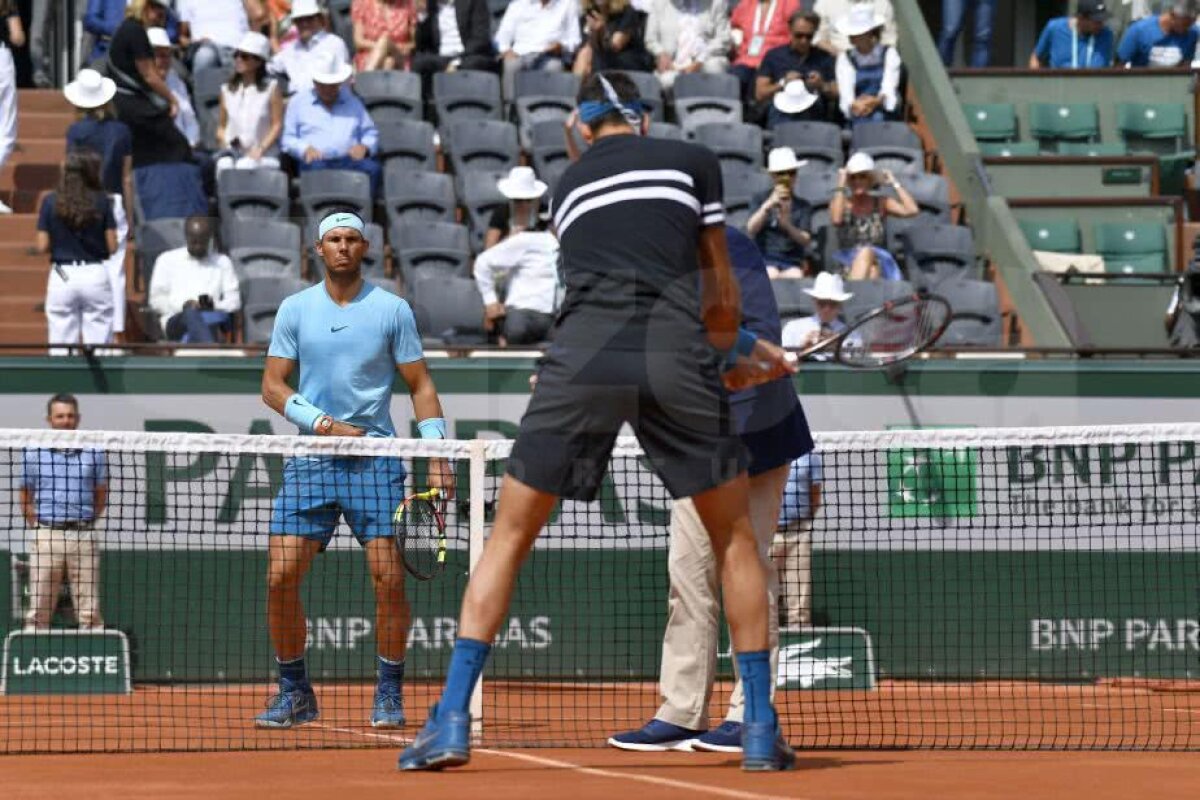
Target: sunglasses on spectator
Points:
(801, 35)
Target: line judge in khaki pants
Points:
(63, 493)
(773, 428)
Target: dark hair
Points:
(591, 89)
(62, 397)
(260, 77)
(75, 197)
(807, 16)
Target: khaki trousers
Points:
(791, 554)
(54, 551)
(689, 661)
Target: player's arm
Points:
(427, 408)
(287, 402)
(720, 301)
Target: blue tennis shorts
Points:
(317, 491)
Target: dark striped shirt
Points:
(628, 215)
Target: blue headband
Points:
(592, 110)
(339, 219)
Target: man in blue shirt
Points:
(1166, 40)
(328, 127)
(349, 341)
(792, 549)
(772, 425)
(1080, 42)
(63, 493)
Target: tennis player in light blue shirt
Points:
(349, 340)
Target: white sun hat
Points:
(305, 8)
(158, 37)
(861, 19)
(860, 163)
(783, 159)
(829, 287)
(331, 70)
(521, 184)
(256, 45)
(90, 89)
(794, 98)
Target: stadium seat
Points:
(1054, 122)
(431, 248)
(1159, 128)
(251, 193)
(540, 96)
(665, 130)
(154, 238)
(869, 295)
(548, 151)
(258, 322)
(327, 189)
(343, 25)
(448, 310)
(935, 254)
(270, 291)
(383, 282)
(732, 141)
(701, 98)
(1052, 235)
(1131, 247)
(408, 142)
(975, 319)
(817, 144)
(253, 262)
(932, 194)
(466, 94)
(894, 231)
(482, 145)
(390, 96)
(651, 93)
(418, 196)
(896, 159)
(791, 298)
(1010, 149)
(741, 186)
(374, 260)
(265, 246)
(206, 100)
(992, 122)
(884, 134)
(1092, 149)
(480, 197)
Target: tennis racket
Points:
(895, 332)
(419, 527)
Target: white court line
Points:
(716, 791)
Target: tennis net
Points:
(1000, 588)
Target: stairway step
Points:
(18, 228)
(42, 101)
(43, 124)
(43, 151)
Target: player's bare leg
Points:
(392, 617)
(288, 561)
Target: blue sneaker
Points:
(445, 741)
(294, 705)
(725, 738)
(764, 750)
(388, 709)
(655, 736)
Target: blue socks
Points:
(755, 668)
(391, 673)
(466, 665)
(293, 672)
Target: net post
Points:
(478, 474)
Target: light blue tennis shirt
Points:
(348, 354)
(63, 483)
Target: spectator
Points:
(313, 45)
(384, 33)
(614, 39)
(193, 290)
(1166, 40)
(798, 61)
(63, 492)
(757, 27)
(868, 74)
(779, 225)
(530, 256)
(536, 34)
(12, 34)
(97, 127)
(164, 64)
(522, 212)
(859, 215)
(791, 551)
(328, 127)
(458, 36)
(833, 40)
(1083, 41)
(103, 17)
(688, 36)
(215, 27)
(954, 16)
(76, 227)
(795, 103)
(829, 293)
(251, 117)
(280, 29)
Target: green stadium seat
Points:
(1092, 149)
(1129, 247)
(1052, 122)
(1010, 149)
(1052, 235)
(992, 122)
(1159, 128)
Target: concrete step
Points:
(24, 184)
(19, 255)
(31, 331)
(39, 150)
(18, 228)
(43, 124)
(26, 280)
(42, 101)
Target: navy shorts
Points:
(318, 491)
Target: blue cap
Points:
(340, 219)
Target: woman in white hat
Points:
(251, 116)
(523, 210)
(829, 293)
(868, 73)
(164, 63)
(859, 214)
(779, 224)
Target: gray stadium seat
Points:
(817, 143)
(206, 100)
(701, 97)
(418, 196)
(267, 291)
(665, 130)
(327, 189)
(884, 134)
(440, 248)
(251, 193)
(976, 316)
(449, 311)
(741, 185)
(258, 322)
(542, 95)
(793, 302)
(466, 94)
(408, 142)
(480, 196)
(343, 26)
(897, 159)
(548, 150)
(932, 194)
(155, 238)
(482, 145)
(265, 247)
(651, 93)
(390, 95)
(869, 295)
(732, 141)
(935, 254)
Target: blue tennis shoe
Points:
(725, 738)
(655, 736)
(763, 748)
(445, 741)
(295, 704)
(388, 710)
